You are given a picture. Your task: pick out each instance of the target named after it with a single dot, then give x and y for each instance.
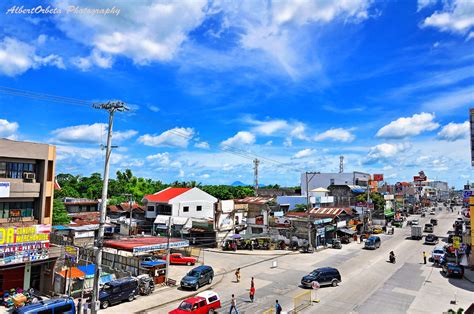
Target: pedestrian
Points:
(79, 306)
(277, 307)
(252, 284)
(252, 293)
(237, 275)
(233, 305)
(424, 257)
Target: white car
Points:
(414, 222)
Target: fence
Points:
(302, 301)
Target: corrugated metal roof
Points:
(166, 195)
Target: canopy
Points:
(72, 272)
(347, 230)
(89, 270)
(320, 189)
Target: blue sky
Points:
(386, 84)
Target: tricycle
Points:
(336, 244)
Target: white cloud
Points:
(410, 126)
(154, 108)
(159, 158)
(239, 139)
(425, 3)
(96, 58)
(268, 143)
(451, 100)
(337, 134)
(203, 145)
(17, 57)
(457, 16)
(205, 176)
(304, 153)
(145, 31)
(299, 131)
(8, 129)
(454, 131)
(176, 137)
(269, 127)
(384, 151)
(86, 156)
(93, 133)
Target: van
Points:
(372, 242)
(197, 277)
(117, 291)
(53, 306)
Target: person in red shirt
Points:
(252, 293)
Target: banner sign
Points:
(378, 177)
(160, 246)
(4, 189)
(24, 244)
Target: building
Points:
(80, 205)
(258, 211)
(316, 180)
(27, 173)
(441, 189)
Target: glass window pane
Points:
(3, 165)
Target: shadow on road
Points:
(460, 283)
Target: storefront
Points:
(25, 259)
(321, 225)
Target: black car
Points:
(324, 276)
(431, 239)
(198, 276)
(434, 221)
(116, 291)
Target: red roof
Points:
(166, 195)
(129, 243)
(329, 212)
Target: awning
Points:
(72, 272)
(348, 231)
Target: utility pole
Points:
(308, 204)
(111, 107)
(341, 164)
(256, 162)
(168, 232)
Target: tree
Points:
(300, 208)
(60, 216)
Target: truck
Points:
(416, 233)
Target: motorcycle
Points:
(392, 258)
(146, 286)
(336, 244)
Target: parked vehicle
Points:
(336, 244)
(416, 233)
(437, 254)
(146, 286)
(179, 259)
(432, 212)
(54, 306)
(431, 239)
(324, 276)
(203, 303)
(150, 261)
(453, 270)
(197, 277)
(373, 243)
(434, 221)
(428, 228)
(413, 222)
(117, 291)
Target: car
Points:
(431, 239)
(413, 222)
(372, 242)
(197, 277)
(428, 228)
(434, 221)
(60, 305)
(453, 270)
(179, 259)
(324, 276)
(151, 261)
(377, 231)
(432, 213)
(203, 303)
(437, 254)
(116, 291)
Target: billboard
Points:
(4, 189)
(24, 244)
(378, 177)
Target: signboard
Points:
(24, 244)
(468, 193)
(315, 285)
(160, 246)
(388, 197)
(420, 177)
(341, 224)
(456, 242)
(320, 232)
(282, 221)
(378, 177)
(83, 234)
(14, 213)
(259, 220)
(4, 189)
(71, 252)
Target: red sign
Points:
(378, 177)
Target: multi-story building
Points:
(441, 189)
(26, 205)
(316, 180)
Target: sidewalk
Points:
(254, 252)
(469, 275)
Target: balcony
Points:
(22, 189)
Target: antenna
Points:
(341, 164)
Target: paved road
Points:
(370, 284)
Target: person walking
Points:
(424, 257)
(252, 293)
(277, 307)
(233, 305)
(237, 275)
(252, 284)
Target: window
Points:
(198, 208)
(26, 209)
(63, 309)
(202, 303)
(163, 210)
(185, 209)
(15, 170)
(332, 182)
(213, 298)
(3, 169)
(150, 208)
(46, 312)
(116, 290)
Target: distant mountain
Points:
(239, 183)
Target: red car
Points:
(179, 259)
(203, 303)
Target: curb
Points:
(245, 254)
(222, 275)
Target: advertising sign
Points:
(283, 221)
(4, 189)
(456, 242)
(160, 246)
(378, 177)
(24, 244)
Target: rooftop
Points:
(166, 195)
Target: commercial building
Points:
(26, 204)
(311, 181)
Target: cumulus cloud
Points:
(454, 131)
(239, 139)
(410, 126)
(384, 151)
(269, 127)
(304, 153)
(89, 133)
(457, 17)
(85, 156)
(203, 145)
(425, 3)
(8, 129)
(17, 57)
(95, 59)
(176, 137)
(337, 134)
(159, 158)
(154, 108)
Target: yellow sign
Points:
(456, 242)
(16, 235)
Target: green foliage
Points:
(127, 183)
(60, 216)
(377, 200)
(300, 208)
